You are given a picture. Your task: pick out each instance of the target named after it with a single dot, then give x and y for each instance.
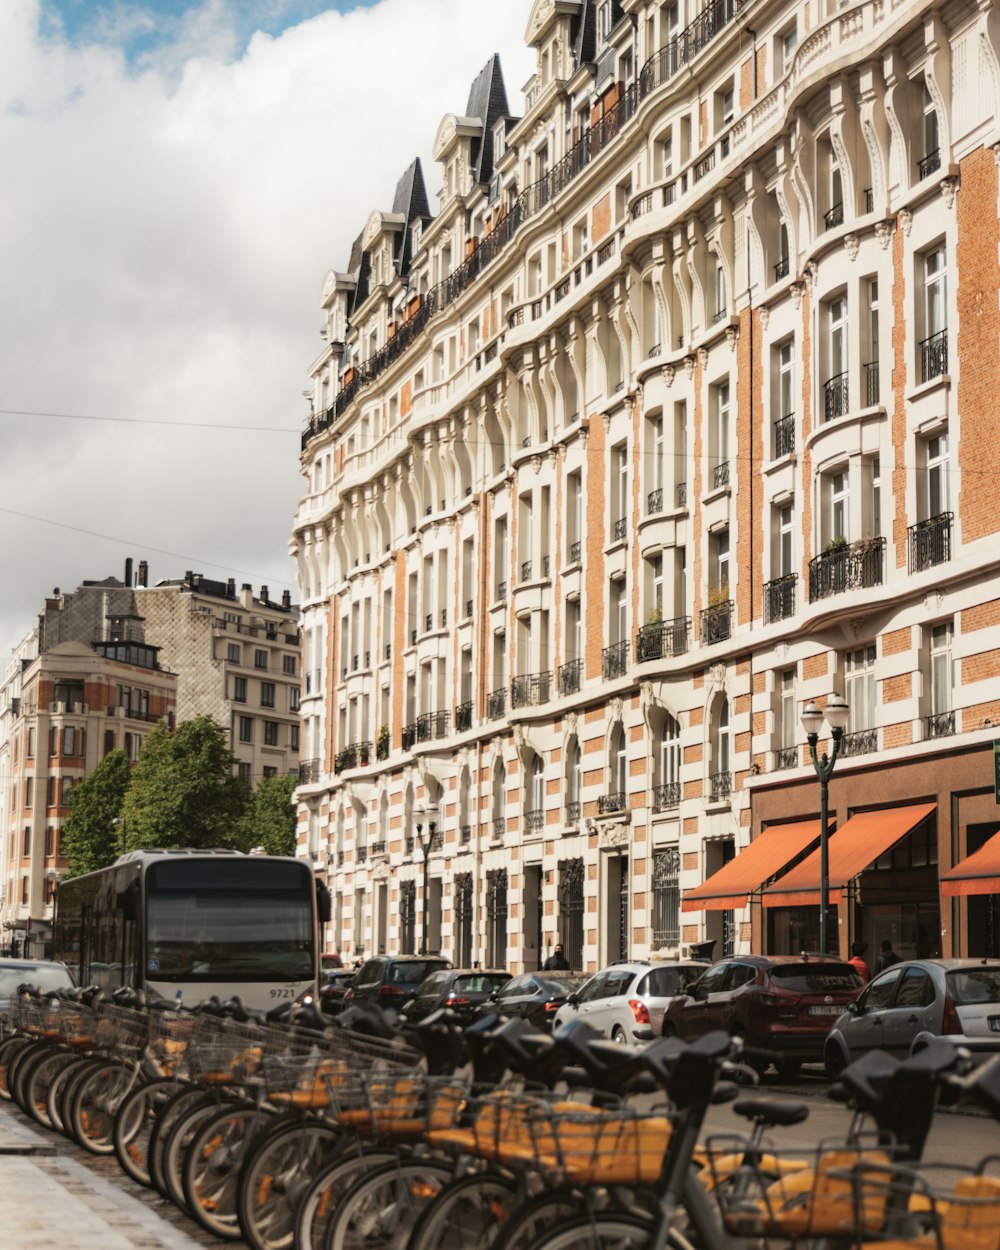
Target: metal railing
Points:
(786, 757)
(934, 356)
(869, 195)
(835, 398)
(463, 717)
(432, 725)
(930, 542)
(534, 821)
(382, 747)
(496, 704)
(861, 742)
(667, 796)
(720, 786)
(607, 804)
(654, 501)
(784, 436)
(501, 591)
(704, 166)
(468, 607)
(573, 812)
(357, 755)
(525, 570)
(847, 568)
(465, 835)
(781, 269)
(720, 475)
(834, 216)
(409, 736)
(661, 639)
(929, 164)
(308, 772)
(620, 529)
(940, 724)
(499, 826)
(717, 622)
(614, 661)
(570, 675)
(378, 848)
(682, 494)
(871, 384)
(779, 598)
(361, 854)
(530, 689)
(575, 551)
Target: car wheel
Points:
(789, 1069)
(751, 1060)
(618, 1035)
(834, 1061)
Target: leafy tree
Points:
(92, 830)
(270, 817)
(184, 790)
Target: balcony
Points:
(781, 269)
(846, 566)
(720, 787)
(930, 542)
(704, 166)
(308, 772)
(786, 757)
(526, 571)
(382, 746)
(654, 501)
(861, 742)
(432, 725)
(357, 755)
(871, 384)
(940, 724)
(378, 849)
(530, 689)
(465, 835)
(361, 854)
(661, 639)
(409, 844)
(468, 608)
(779, 598)
(835, 397)
(614, 661)
(501, 592)
(869, 194)
(575, 552)
(496, 704)
(609, 804)
(409, 736)
(499, 827)
(463, 717)
(534, 821)
(619, 531)
(784, 436)
(934, 356)
(929, 164)
(682, 494)
(720, 475)
(570, 675)
(717, 622)
(667, 797)
(834, 217)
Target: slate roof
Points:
(488, 102)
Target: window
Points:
(719, 435)
(574, 781)
(788, 42)
(871, 379)
(835, 390)
(294, 699)
(721, 298)
(260, 658)
(859, 669)
(30, 749)
(934, 348)
(786, 712)
(875, 496)
(270, 733)
(29, 792)
(667, 765)
(720, 779)
(26, 850)
(785, 564)
(293, 741)
(619, 763)
(941, 675)
(50, 842)
(131, 745)
(288, 663)
(603, 21)
(69, 741)
(840, 499)
(65, 789)
(931, 161)
(786, 381)
(574, 517)
(234, 652)
(246, 729)
(666, 898)
(240, 689)
(719, 570)
(267, 694)
(619, 492)
(50, 799)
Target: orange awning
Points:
(852, 849)
(766, 855)
(978, 873)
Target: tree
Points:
(270, 817)
(91, 835)
(184, 790)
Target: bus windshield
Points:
(229, 920)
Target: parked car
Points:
(782, 1006)
(535, 996)
(626, 1001)
(333, 986)
(43, 974)
(392, 980)
(913, 1002)
(461, 990)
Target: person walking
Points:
(858, 961)
(887, 957)
(557, 961)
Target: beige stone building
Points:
(673, 417)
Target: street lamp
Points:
(812, 718)
(428, 816)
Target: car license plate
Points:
(994, 1024)
(825, 1011)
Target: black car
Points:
(333, 986)
(536, 996)
(392, 980)
(459, 989)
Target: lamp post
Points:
(429, 816)
(837, 712)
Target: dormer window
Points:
(603, 21)
(499, 140)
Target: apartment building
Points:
(101, 667)
(671, 420)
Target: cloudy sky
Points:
(178, 177)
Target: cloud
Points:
(163, 242)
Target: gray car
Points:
(626, 1001)
(913, 1002)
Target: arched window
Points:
(574, 781)
(616, 798)
(667, 765)
(534, 799)
(721, 775)
(499, 800)
(361, 840)
(464, 819)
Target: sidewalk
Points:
(49, 1201)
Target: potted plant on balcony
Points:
(382, 743)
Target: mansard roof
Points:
(488, 103)
(411, 202)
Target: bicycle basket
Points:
(580, 1145)
(77, 1025)
(170, 1035)
(122, 1030)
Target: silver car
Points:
(913, 1002)
(626, 1001)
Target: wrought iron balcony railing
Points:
(720, 787)
(463, 717)
(929, 164)
(930, 542)
(432, 725)
(682, 494)
(871, 384)
(784, 436)
(614, 661)
(570, 675)
(835, 397)
(534, 821)
(530, 689)
(847, 567)
(861, 742)
(940, 724)
(620, 529)
(661, 639)
(573, 812)
(465, 835)
(779, 598)
(496, 704)
(575, 551)
(786, 757)
(409, 737)
(608, 804)
(934, 356)
(525, 570)
(654, 501)
(409, 844)
(834, 216)
(308, 772)
(382, 747)
(666, 797)
(781, 269)
(869, 195)
(717, 622)
(720, 475)
(345, 759)
(499, 826)
(501, 591)
(378, 849)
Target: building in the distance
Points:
(674, 416)
(100, 668)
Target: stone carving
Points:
(851, 245)
(798, 289)
(906, 220)
(614, 835)
(883, 232)
(765, 317)
(667, 373)
(689, 363)
(732, 334)
(948, 188)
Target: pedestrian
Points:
(557, 961)
(858, 961)
(887, 957)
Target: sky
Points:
(179, 176)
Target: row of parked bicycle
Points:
(302, 1133)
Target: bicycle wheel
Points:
(19, 1063)
(95, 1104)
(277, 1171)
(546, 1210)
(211, 1167)
(57, 1088)
(134, 1126)
(178, 1143)
(38, 1080)
(177, 1107)
(468, 1211)
(379, 1211)
(66, 1091)
(603, 1232)
(319, 1202)
(9, 1048)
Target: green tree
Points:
(184, 790)
(91, 835)
(270, 817)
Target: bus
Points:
(185, 925)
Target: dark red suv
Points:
(782, 1005)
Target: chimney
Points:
(143, 574)
(231, 588)
(246, 595)
(286, 599)
(128, 572)
(264, 598)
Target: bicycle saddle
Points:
(771, 1111)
